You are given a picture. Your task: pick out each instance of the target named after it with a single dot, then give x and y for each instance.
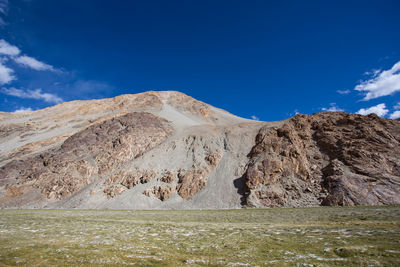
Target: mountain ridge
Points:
(167, 150)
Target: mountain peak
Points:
(168, 150)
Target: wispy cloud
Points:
(373, 73)
(382, 83)
(253, 117)
(3, 11)
(8, 49)
(343, 92)
(333, 107)
(33, 63)
(33, 94)
(23, 109)
(3, 6)
(379, 110)
(6, 74)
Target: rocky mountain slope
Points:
(166, 150)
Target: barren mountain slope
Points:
(166, 150)
(150, 150)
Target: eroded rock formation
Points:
(168, 177)
(123, 180)
(162, 192)
(326, 158)
(192, 181)
(88, 154)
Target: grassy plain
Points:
(321, 236)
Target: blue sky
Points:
(263, 59)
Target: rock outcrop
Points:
(161, 150)
(88, 154)
(192, 181)
(123, 180)
(162, 192)
(327, 158)
(168, 177)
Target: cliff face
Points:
(167, 150)
(327, 158)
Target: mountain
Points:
(166, 150)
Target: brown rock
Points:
(169, 177)
(114, 190)
(213, 159)
(192, 181)
(352, 157)
(160, 192)
(94, 151)
(147, 176)
(126, 180)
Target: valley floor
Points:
(321, 236)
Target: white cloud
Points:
(382, 83)
(255, 118)
(343, 92)
(395, 115)
(6, 74)
(332, 108)
(32, 94)
(373, 73)
(23, 109)
(8, 49)
(379, 110)
(33, 63)
(12, 52)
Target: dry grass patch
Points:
(324, 236)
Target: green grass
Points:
(323, 236)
